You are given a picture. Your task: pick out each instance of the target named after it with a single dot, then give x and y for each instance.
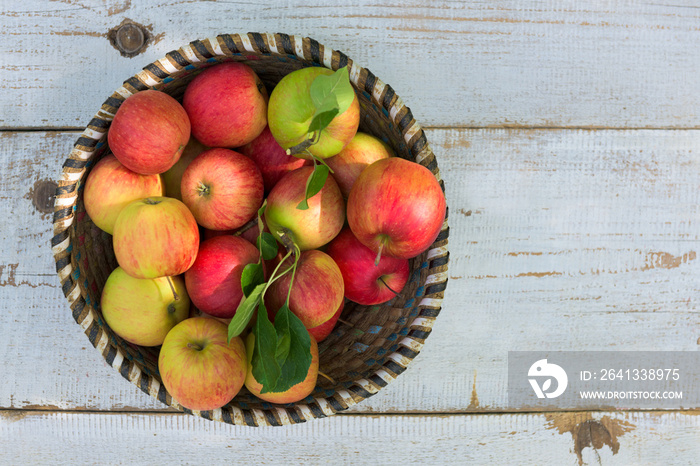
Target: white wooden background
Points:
(568, 135)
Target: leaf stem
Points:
(303, 145)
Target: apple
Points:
(111, 186)
(149, 132)
(367, 283)
(296, 392)
(270, 158)
(311, 228)
(214, 280)
(396, 208)
(227, 105)
(317, 290)
(198, 367)
(321, 332)
(155, 237)
(143, 310)
(291, 110)
(222, 188)
(363, 150)
(173, 177)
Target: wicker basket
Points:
(364, 353)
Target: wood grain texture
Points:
(477, 64)
(524, 439)
(560, 240)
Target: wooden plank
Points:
(531, 63)
(525, 439)
(560, 240)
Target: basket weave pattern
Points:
(368, 349)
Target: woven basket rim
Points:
(94, 135)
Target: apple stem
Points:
(246, 227)
(381, 279)
(327, 377)
(379, 254)
(303, 145)
(286, 239)
(195, 346)
(202, 189)
(172, 288)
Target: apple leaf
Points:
(314, 184)
(267, 245)
(266, 370)
(251, 277)
(244, 312)
(283, 334)
(295, 365)
(334, 87)
(322, 120)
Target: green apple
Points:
(291, 110)
(197, 365)
(143, 310)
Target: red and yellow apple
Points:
(311, 228)
(143, 310)
(155, 237)
(222, 188)
(149, 132)
(317, 290)
(363, 150)
(366, 282)
(111, 186)
(227, 105)
(291, 111)
(296, 392)
(396, 208)
(197, 365)
(214, 280)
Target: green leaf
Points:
(335, 86)
(267, 245)
(296, 364)
(266, 370)
(282, 326)
(251, 277)
(322, 120)
(244, 312)
(314, 184)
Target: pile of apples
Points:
(192, 194)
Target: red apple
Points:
(321, 332)
(363, 150)
(317, 290)
(396, 208)
(365, 282)
(149, 132)
(111, 186)
(214, 280)
(270, 158)
(143, 310)
(296, 392)
(291, 110)
(173, 177)
(311, 228)
(155, 237)
(197, 365)
(222, 188)
(227, 105)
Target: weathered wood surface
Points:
(563, 236)
(560, 240)
(525, 439)
(532, 63)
